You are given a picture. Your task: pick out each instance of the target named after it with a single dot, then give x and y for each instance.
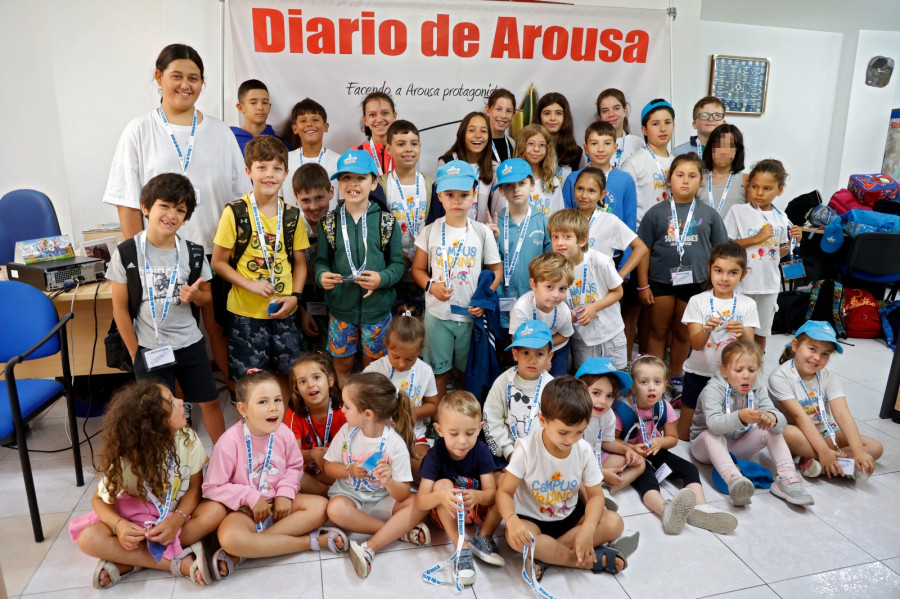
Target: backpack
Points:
(629, 418)
(799, 207)
(385, 228)
(872, 188)
(887, 207)
(861, 317)
(826, 304)
(244, 230)
(117, 355)
(791, 314)
(890, 322)
(843, 201)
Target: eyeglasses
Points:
(711, 116)
(538, 145)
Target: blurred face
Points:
(588, 193)
(313, 384)
(723, 154)
(612, 112)
(267, 176)
(531, 361)
(725, 274)
(311, 128)
(378, 116)
(405, 149)
(456, 201)
(567, 244)
(685, 181)
(600, 148)
(602, 396)
(811, 355)
(402, 357)
(459, 432)
(535, 149)
(705, 126)
(649, 385)
(548, 294)
(559, 437)
(517, 193)
(263, 411)
(178, 417)
(552, 117)
(355, 187)
(659, 128)
(255, 107)
(314, 203)
(500, 115)
(741, 372)
(477, 137)
(180, 85)
(763, 190)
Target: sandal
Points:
(112, 570)
(413, 535)
(333, 533)
(544, 566)
(222, 556)
(199, 565)
(362, 557)
(610, 554)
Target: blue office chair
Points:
(873, 258)
(25, 214)
(32, 329)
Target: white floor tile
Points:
(303, 581)
(760, 592)
(131, 588)
(868, 581)
(890, 460)
(893, 564)
(54, 481)
(885, 425)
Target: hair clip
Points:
(253, 370)
(407, 313)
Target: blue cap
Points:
(650, 107)
(457, 175)
(605, 366)
(820, 331)
(355, 161)
(532, 333)
(832, 237)
(512, 171)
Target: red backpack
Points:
(861, 316)
(844, 201)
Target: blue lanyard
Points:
(619, 151)
(641, 422)
(448, 268)
(148, 278)
(261, 486)
(724, 193)
(681, 237)
(356, 483)
(374, 152)
(750, 402)
(428, 575)
(162, 508)
(412, 380)
(535, 403)
(411, 216)
(318, 160)
(365, 235)
(183, 159)
(496, 155)
(532, 580)
(534, 314)
(319, 442)
(261, 236)
(714, 312)
(820, 404)
(509, 265)
(762, 213)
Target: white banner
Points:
(440, 60)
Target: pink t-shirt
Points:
(634, 436)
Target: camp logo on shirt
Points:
(553, 496)
(671, 234)
(661, 185)
(583, 291)
(769, 249)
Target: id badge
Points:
(316, 309)
(682, 275)
(793, 269)
(721, 337)
(159, 357)
(848, 466)
(507, 303)
(663, 472)
(274, 306)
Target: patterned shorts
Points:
(266, 343)
(344, 338)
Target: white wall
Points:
(796, 125)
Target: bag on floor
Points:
(791, 314)
(890, 323)
(826, 304)
(861, 317)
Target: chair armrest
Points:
(54, 331)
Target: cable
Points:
(60, 450)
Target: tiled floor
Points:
(847, 545)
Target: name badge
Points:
(793, 269)
(316, 309)
(682, 275)
(159, 357)
(721, 337)
(663, 472)
(370, 464)
(274, 306)
(507, 303)
(848, 466)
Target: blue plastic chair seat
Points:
(33, 394)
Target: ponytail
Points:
(404, 423)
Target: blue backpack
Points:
(890, 324)
(857, 222)
(630, 427)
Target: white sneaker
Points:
(810, 468)
(676, 514)
(741, 491)
(713, 519)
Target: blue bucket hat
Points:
(820, 331)
(532, 334)
(605, 366)
(512, 171)
(456, 175)
(355, 161)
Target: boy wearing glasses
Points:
(709, 113)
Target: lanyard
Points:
(820, 404)
(261, 235)
(374, 152)
(183, 159)
(532, 580)
(427, 576)
(261, 486)
(681, 237)
(320, 442)
(148, 278)
(318, 160)
(354, 482)
(762, 213)
(750, 403)
(658, 165)
(619, 151)
(494, 148)
(724, 193)
(411, 216)
(474, 209)
(412, 380)
(699, 147)
(714, 312)
(365, 236)
(509, 265)
(553, 324)
(641, 422)
(535, 403)
(448, 268)
(162, 508)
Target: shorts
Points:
(693, 387)
(219, 288)
(191, 369)
(766, 306)
(473, 515)
(266, 343)
(559, 364)
(630, 292)
(344, 338)
(616, 349)
(381, 508)
(447, 343)
(557, 528)
(682, 293)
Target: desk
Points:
(80, 335)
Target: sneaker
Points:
(627, 542)
(791, 490)
(810, 468)
(741, 491)
(676, 386)
(611, 504)
(712, 519)
(485, 549)
(677, 510)
(466, 567)
(361, 557)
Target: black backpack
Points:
(826, 302)
(791, 314)
(799, 207)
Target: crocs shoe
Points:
(677, 510)
(791, 490)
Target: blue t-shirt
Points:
(620, 194)
(465, 473)
(536, 243)
(243, 136)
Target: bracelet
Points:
(644, 287)
(180, 513)
(428, 285)
(116, 525)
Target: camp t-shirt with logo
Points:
(422, 379)
(549, 487)
(595, 276)
(658, 232)
(179, 329)
(746, 220)
(649, 181)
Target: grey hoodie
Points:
(711, 413)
